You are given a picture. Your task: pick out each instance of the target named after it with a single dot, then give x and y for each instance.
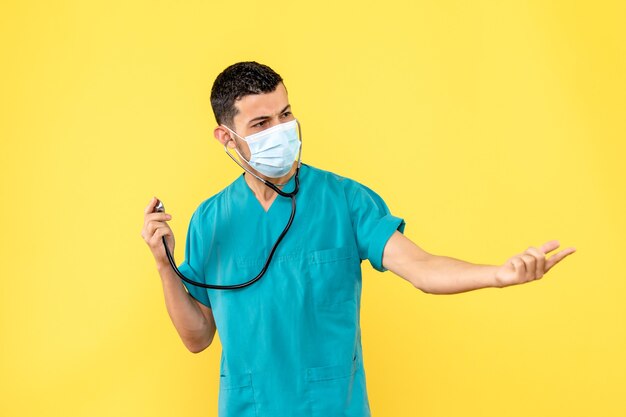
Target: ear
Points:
(223, 136)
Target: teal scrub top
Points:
(291, 342)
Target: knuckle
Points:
(534, 251)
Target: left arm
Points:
(434, 274)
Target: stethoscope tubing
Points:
(274, 187)
(291, 195)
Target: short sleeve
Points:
(373, 225)
(192, 266)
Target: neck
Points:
(262, 191)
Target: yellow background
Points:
(490, 126)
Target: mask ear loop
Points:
(269, 184)
(299, 138)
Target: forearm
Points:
(446, 275)
(190, 323)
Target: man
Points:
(291, 340)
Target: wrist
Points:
(495, 282)
(163, 266)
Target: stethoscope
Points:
(160, 208)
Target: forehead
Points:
(266, 104)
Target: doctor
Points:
(291, 342)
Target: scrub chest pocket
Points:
(333, 275)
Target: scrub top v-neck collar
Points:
(251, 198)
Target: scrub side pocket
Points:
(337, 390)
(236, 396)
(333, 275)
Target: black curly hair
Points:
(237, 81)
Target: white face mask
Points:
(273, 150)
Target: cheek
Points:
(244, 149)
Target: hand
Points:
(154, 227)
(530, 265)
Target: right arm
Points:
(193, 320)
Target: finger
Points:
(520, 268)
(150, 207)
(157, 216)
(530, 262)
(549, 246)
(540, 261)
(158, 234)
(152, 226)
(558, 257)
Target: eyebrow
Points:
(267, 117)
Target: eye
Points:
(286, 114)
(260, 124)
